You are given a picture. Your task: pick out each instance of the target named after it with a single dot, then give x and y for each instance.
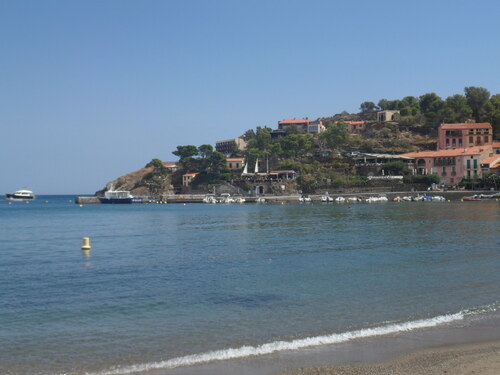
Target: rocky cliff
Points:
(145, 182)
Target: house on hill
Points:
(304, 125)
(465, 135)
(451, 165)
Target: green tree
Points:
(205, 150)
(184, 152)
(456, 109)
(431, 106)
(477, 97)
(336, 136)
(491, 113)
(157, 163)
(367, 107)
(262, 139)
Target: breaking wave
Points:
(277, 346)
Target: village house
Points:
(451, 165)
(355, 127)
(491, 164)
(235, 163)
(387, 116)
(187, 178)
(465, 135)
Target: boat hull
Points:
(14, 197)
(120, 200)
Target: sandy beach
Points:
(475, 358)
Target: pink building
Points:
(452, 136)
(451, 165)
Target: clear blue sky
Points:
(91, 90)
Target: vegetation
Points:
(317, 157)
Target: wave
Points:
(277, 346)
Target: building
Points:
(386, 116)
(229, 146)
(491, 164)
(355, 127)
(451, 165)
(304, 125)
(187, 178)
(466, 135)
(171, 165)
(235, 163)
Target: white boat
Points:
(226, 198)
(209, 198)
(326, 198)
(305, 199)
(119, 197)
(377, 199)
(353, 200)
(340, 199)
(260, 200)
(21, 195)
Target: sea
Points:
(171, 286)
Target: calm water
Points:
(163, 282)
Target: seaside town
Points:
(408, 145)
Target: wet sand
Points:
(477, 358)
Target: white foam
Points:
(272, 347)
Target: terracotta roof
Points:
(235, 159)
(484, 125)
(189, 174)
(444, 153)
(294, 121)
(354, 122)
(169, 164)
(496, 144)
(491, 160)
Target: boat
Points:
(119, 197)
(209, 198)
(305, 199)
(340, 199)
(21, 195)
(326, 198)
(473, 198)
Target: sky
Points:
(91, 90)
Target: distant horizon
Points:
(99, 89)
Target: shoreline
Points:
(479, 358)
(476, 339)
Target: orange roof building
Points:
(451, 165)
(464, 135)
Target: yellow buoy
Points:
(86, 243)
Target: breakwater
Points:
(198, 198)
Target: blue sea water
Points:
(170, 285)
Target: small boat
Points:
(305, 199)
(326, 198)
(474, 198)
(20, 195)
(119, 197)
(340, 199)
(260, 200)
(353, 200)
(209, 198)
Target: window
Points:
(460, 141)
(471, 140)
(475, 163)
(486, 139)
(468, 164)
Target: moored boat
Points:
(119, 197)
(21, 195)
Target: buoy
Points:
(86, 243)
